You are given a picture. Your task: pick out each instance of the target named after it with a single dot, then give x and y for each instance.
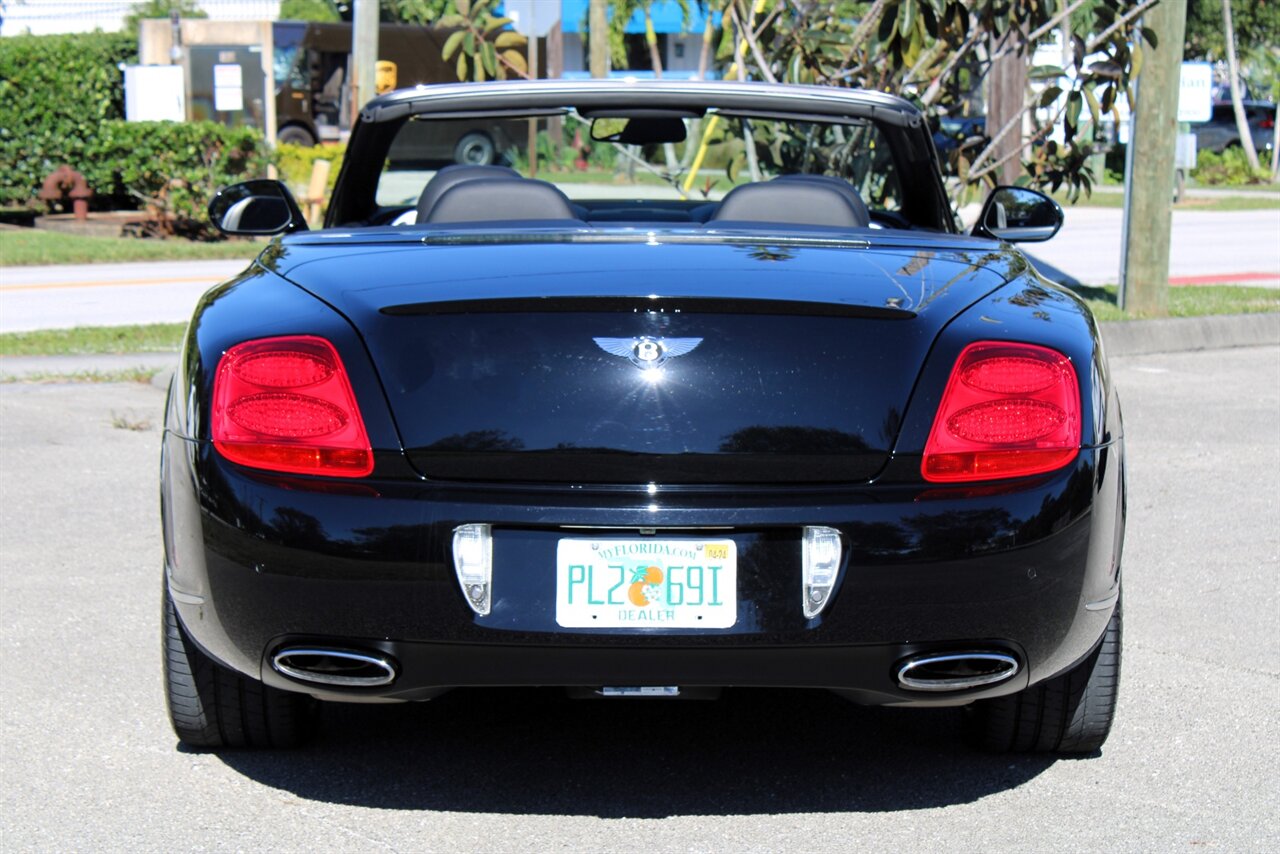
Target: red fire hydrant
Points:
(65, 182)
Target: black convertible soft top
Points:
(900, 124)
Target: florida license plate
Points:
(647, 583)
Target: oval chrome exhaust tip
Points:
(956, 671)
(344, 667)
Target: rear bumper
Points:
(424, 670)
(257, 563)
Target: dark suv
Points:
(1220, 132)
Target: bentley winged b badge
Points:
(646, 352)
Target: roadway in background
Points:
(1208, 247)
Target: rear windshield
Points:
(718, 153)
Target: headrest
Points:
(792, 203)
(841, 186)
(491, 200)
(451, 176)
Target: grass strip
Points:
(93, 340)
(1214, 204)
(1188, 301)
(22, 247)
(128, 375)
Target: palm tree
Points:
(1233, 73)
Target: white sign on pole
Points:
(154, 93)
(228, 87)
(1195, 93)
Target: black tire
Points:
(474, 149)
(211, 706)
(295, 135)
(1070, 713)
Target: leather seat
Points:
(491, 200)
(794, 200)
(451, 176)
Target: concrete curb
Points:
(1182, 334)
(1122, 338)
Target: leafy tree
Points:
(425, 12)
(484, 45)
(939, 52)
(1256, 24)
(309, 10)
(160, 9)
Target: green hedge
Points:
(62, 101)
(1228, 169)
(55, 94)
(173, 167)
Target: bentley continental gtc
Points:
(706, 389)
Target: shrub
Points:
(295, 163)
(55, 93)
(309, 10)
(173, 169)
(1228, 169)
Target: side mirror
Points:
(1018, 215)
(256, 208)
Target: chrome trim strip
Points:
(185, 598)
(960, 683)
(623, 528)
(389, 671)
(541, 95)
(1101, 604)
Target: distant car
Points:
(483, 430)
(952, 133)
(1221, 131)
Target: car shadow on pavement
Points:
(536, 752)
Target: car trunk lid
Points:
(648, 360)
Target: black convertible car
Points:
(737, 406)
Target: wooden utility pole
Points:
(1006, 102)
(598, 37)
(555, 70)
(1144, 277)
(364, 54)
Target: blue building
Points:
(679, 40)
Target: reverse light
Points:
(1009, 410)
(820, 562)
(286, 404)
(473, 562)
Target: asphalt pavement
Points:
(1206, 247)
(87, 761)
(59, 297)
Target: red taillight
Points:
(1009, 410)
(1268, 123)
(286, 404)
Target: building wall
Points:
(673, 63)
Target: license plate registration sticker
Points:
(648, 583)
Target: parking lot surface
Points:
(87, 761)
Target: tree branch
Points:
(750, 39)
(1100, 39)
(1040, 134)
(935, 88)
(999, 137)
(1038, 33)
